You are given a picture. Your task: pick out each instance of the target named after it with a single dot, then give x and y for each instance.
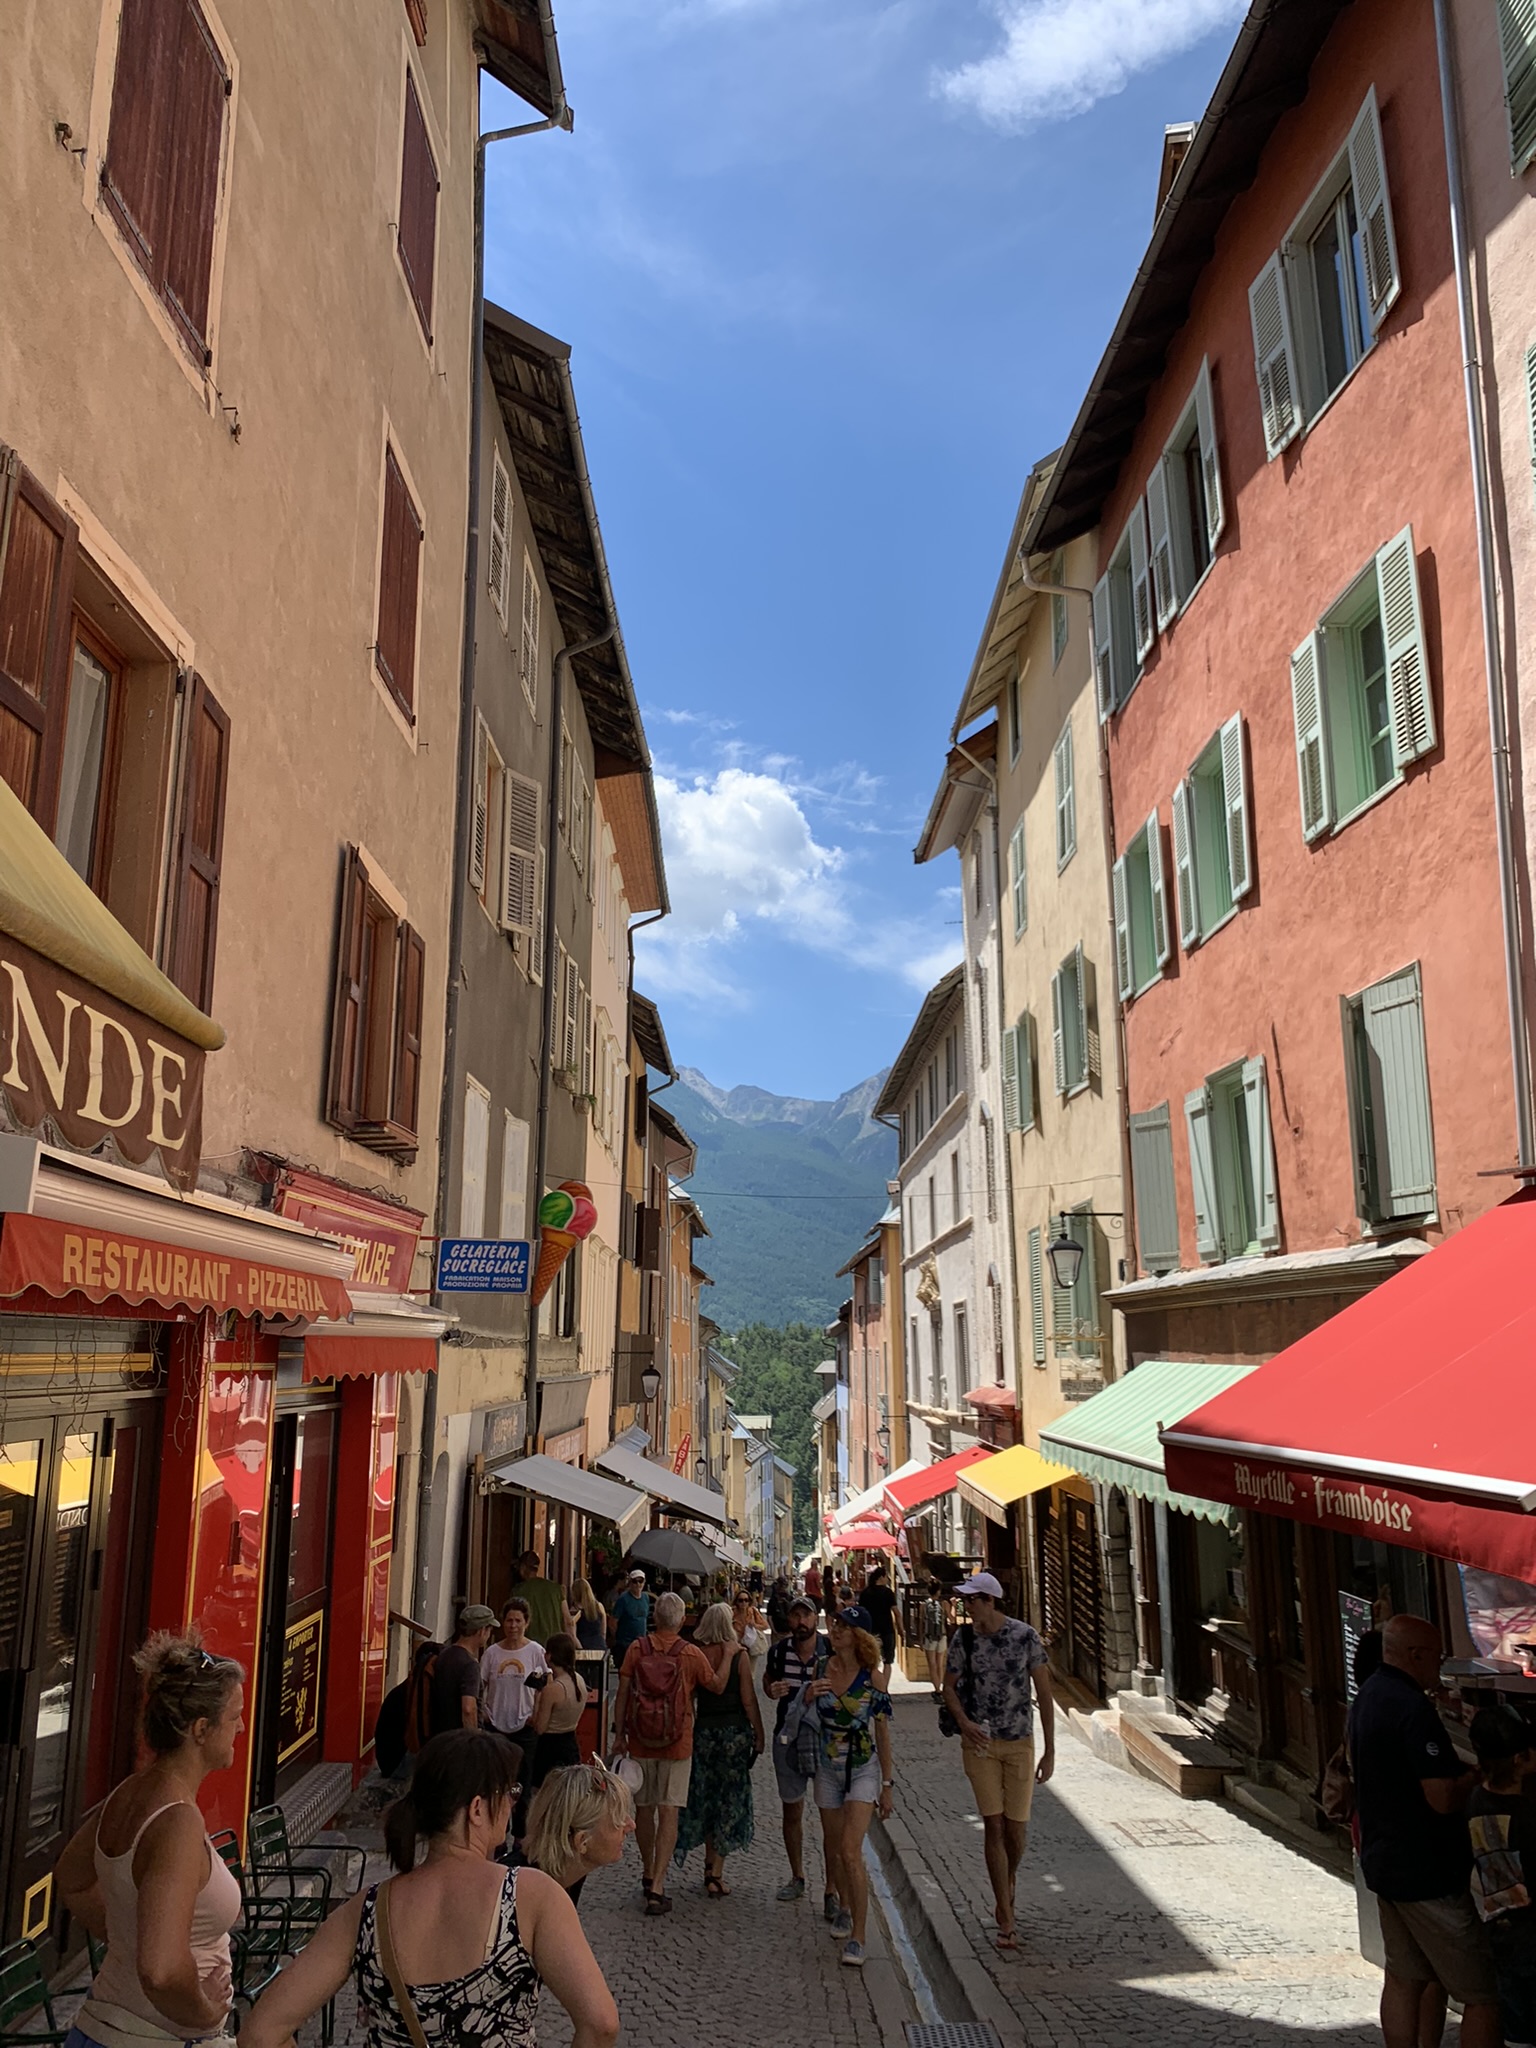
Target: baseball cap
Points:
(804, 1603)
(855, 1617)
(637, 1573)
(476, 1616)
(980, 1582)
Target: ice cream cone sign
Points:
(566, 1215)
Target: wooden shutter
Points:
(521, 896)
(1373, 210)
(513, 1213)
(1274, 355)
(133, 176)
(536, 938)
(1517, 38)
(349, 1001)
(480, 805)
(1160, 531)
(1234, 787)
(37, 580)
(1358, 1091)
(417, 231)
(989, 1163)
(499, 549)
(1028, 1103)
(586, 1040)
(1157, 1207)
(1019, 880)
(570, 1037)
(1410, 701)
(197, 145)
(410, 999)
(199, 845)
(1392, 1018)
(1104, 647)
(474, 1162)
(1184, 866)
(416, 14)
(1210, 460)
(1087, 1015)
(1059, 1031)
(1314, 765)
(1162, 941)
(1202, 1172)
(1063, 1308)
(399, 579)
(1037, 1295)
(528, 642)
(1085, 1290)
(1125, 972)
(1066, 800)
(1012, 1120)
(1141, 583)
(1261, 1154)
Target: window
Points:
(1074, 1024)
(936, 1355)
(1015, 716)
(416, 234)
(914, 1365)
(1232, 1163)
(989, 1159)
(512, 1215)
(1060, 624)
(498, 559)
(1211, 863)
(1019, 1093)
(1066, 801)
(1185, 515)
(375, 1062)
(1318, 304)
(528, 644)
(1387, 1074)
(394, 650)
(983, 1035)
(962, 1352)
(1018, 880)
(1142, 943)
(1360, 692)
(1075, 1309)
(950, 1078)
(1123, 621)
(1157, 1210)
(933, 1207)
(977, 882)
(956, 1212)
(165, 154)
(1517, 36)
(1037, 1295)
(475, 1162)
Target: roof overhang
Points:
(944, 993)
(1012, 607)
(516, 43)
(645, 1023)
(963, 788)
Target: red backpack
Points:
(658, 1703)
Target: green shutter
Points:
(1141, 583)
(1357, 1089)
(1202, 1171)
(1392, 1017)
(1062, 1306)
(1184, 865)
(1234, 790)
(1274, 357)
(1517, 35)
(1058, 1031)
(1025, 1038)
(1037, 1296)
(1085, 1292)
(1060, 623)
(1210, 460)
(1010, 1047)
(1066, 800)
(1157, 1208)
(1018, 879)
(1410, 704)
(1313, 766)
(1125, 972)
(1373, 210)
(1103, 648)
(1160, 533)
(1162, 942)
(1087, 1017)
(1261, 1154)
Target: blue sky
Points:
(835, 273)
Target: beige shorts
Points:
(664, 1781)
(1439, 1941)
(1003, 1778)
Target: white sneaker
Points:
(842, 1926)
(853, 1955)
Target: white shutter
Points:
(1010, 1044)
(1026, 1042)
(472, 1164)
(570, 1037)
(1234, 784)
(586, 1039)
(498, 550)
(1202, 1173)
(1410, 702)
(1314, 767)
(480, 812)
(536, 937)
(1141, 583)
(581, 822)
(1059, 1032)
(1274, 357)
(528, 642)
(1517, 36)
(1104, 647)
(1161, 532)
(1184, 865)
(1037, 1295)
(1261, 1154)
(514, 1177)
(521, 896)
(1392, 1019)
(1162, 941)
(1125, 972)
(1087, 1017)
(1373, 210)
(1210, 460)
(1018, 879)
(1066, 799)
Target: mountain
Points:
(789, 1189)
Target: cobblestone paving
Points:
(1143, 1918)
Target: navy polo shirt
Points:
(1396, 1741)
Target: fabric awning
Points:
(341, 1358)
(861, 1505)
(992, 1400)
(569, 1486)
(863, 1536)
(1401, 1418)
(1113, 1438)
(902, 1493)
(662, 1482)
(996, 1483)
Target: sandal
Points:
(717, 1888)
(656, 1904)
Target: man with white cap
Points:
(631, 1614)
(993, 1658)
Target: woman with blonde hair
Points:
(727, 1741)
(853, 1770)
(584, 1617)
(579, 1821)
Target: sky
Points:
(835, 274)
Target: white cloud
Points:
(924, 969)
(1059, 57)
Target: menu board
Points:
(1355, 1620)
(298, 1705)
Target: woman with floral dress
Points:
(853, 1771)
(727, 1741)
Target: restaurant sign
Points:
(380, 1236)
(103, 1265)
(82, 1065)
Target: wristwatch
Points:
(886, 1784)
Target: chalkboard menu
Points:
(298, 1706)
(1355, 1621)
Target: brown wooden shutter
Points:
(399, 575)
(409, 1003)
(416, 13)
(37, 582)
(199, 846)
(133, 178)
(417, 231)
(349, 1002)
(202, 87)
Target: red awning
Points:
(341, 1358)
(997, 1400)
(1406, 1418)
(903, 1495)
(863, 1536)
(107, 1265)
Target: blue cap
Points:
(854, 1617)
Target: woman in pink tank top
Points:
(142, 1874)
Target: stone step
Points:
(1176, 1754)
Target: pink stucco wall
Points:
(1415, 876)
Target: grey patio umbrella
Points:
(673, 1550)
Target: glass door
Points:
(292, 1688)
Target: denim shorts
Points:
(864, 1785)
(792, 1782)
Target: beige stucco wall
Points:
(609, 979)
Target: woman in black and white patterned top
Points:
(472, 1941)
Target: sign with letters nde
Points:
(483, 1265)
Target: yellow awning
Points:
(992, 1484)
(45, 905)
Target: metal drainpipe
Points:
(629, 1138)
(563, 118)
(1498, 713)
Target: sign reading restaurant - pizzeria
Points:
(69, 1258)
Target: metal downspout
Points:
(639, 925)
(1498, 716)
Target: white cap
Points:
(637, 1573)
(980, 1582)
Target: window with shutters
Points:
(1319, 302)
(1061, 624)
(512, 1213)
(498, 554)
(983, 1029)
(1066, 800)
(1015, 715)
(475, 1159)
(1387, 1076)
(1019, 1086)
(1018, 880)
(1143, 944)
(1212, 858)
(1037, 1295)
(528, 641)
(1074, 1024)
(1517, 38)
(394, 651)
(1124, 624)
(164, 165)
(1075, 1315)
(1157, 1209)
(989, 1164)
(416, 230)
(1361, 694)
(1232, 1163)
(374, 1082)
(962, 1352)
(1185, 515)
(198, 846)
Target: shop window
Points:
(394, 649)
(1142, 942)
(1211, 861)
(1185, 514)
(416, 233)
(375, 1057)
(165, 152)
(1157, 1210)
(1074, 1023)
(1232, 1163)
(1391, 1130)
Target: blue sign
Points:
(483, 1265)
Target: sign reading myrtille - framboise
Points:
(483, 1265)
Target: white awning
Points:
(571, 1487)
(872, 1499)
(663, 1482)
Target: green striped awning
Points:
(1113, 1437)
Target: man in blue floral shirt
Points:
(993, 1661)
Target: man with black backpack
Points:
(791, 1662)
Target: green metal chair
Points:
(270, 1929)
(23, 1994)
(344, 1862)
